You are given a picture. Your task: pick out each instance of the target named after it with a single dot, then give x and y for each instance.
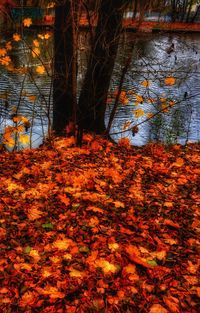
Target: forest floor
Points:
(101, 228)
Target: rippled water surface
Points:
(151, 61)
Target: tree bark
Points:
(93, 96)
(64, 68)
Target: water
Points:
(151, 61)
(30, 93)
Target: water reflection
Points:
(152, 62)
(31, 93)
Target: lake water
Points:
(154, 57)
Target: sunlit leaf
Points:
(62, 244)
(16, 37)
(47, 36)
(35, 254)
(52, 292)
(27, 22)
(75, 273)
(36, 43)
(130, 269)
(24, 139)
(113, 246)
(106, 266)
(157, 308)
(40, 69)
(138, 113)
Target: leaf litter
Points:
(101, 228)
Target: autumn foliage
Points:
(102, 228)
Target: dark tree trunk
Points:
(92, 101)
(63, 84)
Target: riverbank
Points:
(151, 26)
(102, 228)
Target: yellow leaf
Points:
(75, 273)
(169, 81)
(34, 253)
(113, 246)
(40, 36)
(46, 271)
(24, 139)
(27, 22)
(145, 83)
(138, 113)
(106, 266)
(16, 37)
(67, 256)
(8, 140)
(62, 244)
(52, 292)
(40, 69)
(47, 36)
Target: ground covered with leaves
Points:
(102, 228)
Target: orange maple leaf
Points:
(34, 214)
(64, 199)
(27, 22)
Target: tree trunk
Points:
(64, 95)
(92, 101)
